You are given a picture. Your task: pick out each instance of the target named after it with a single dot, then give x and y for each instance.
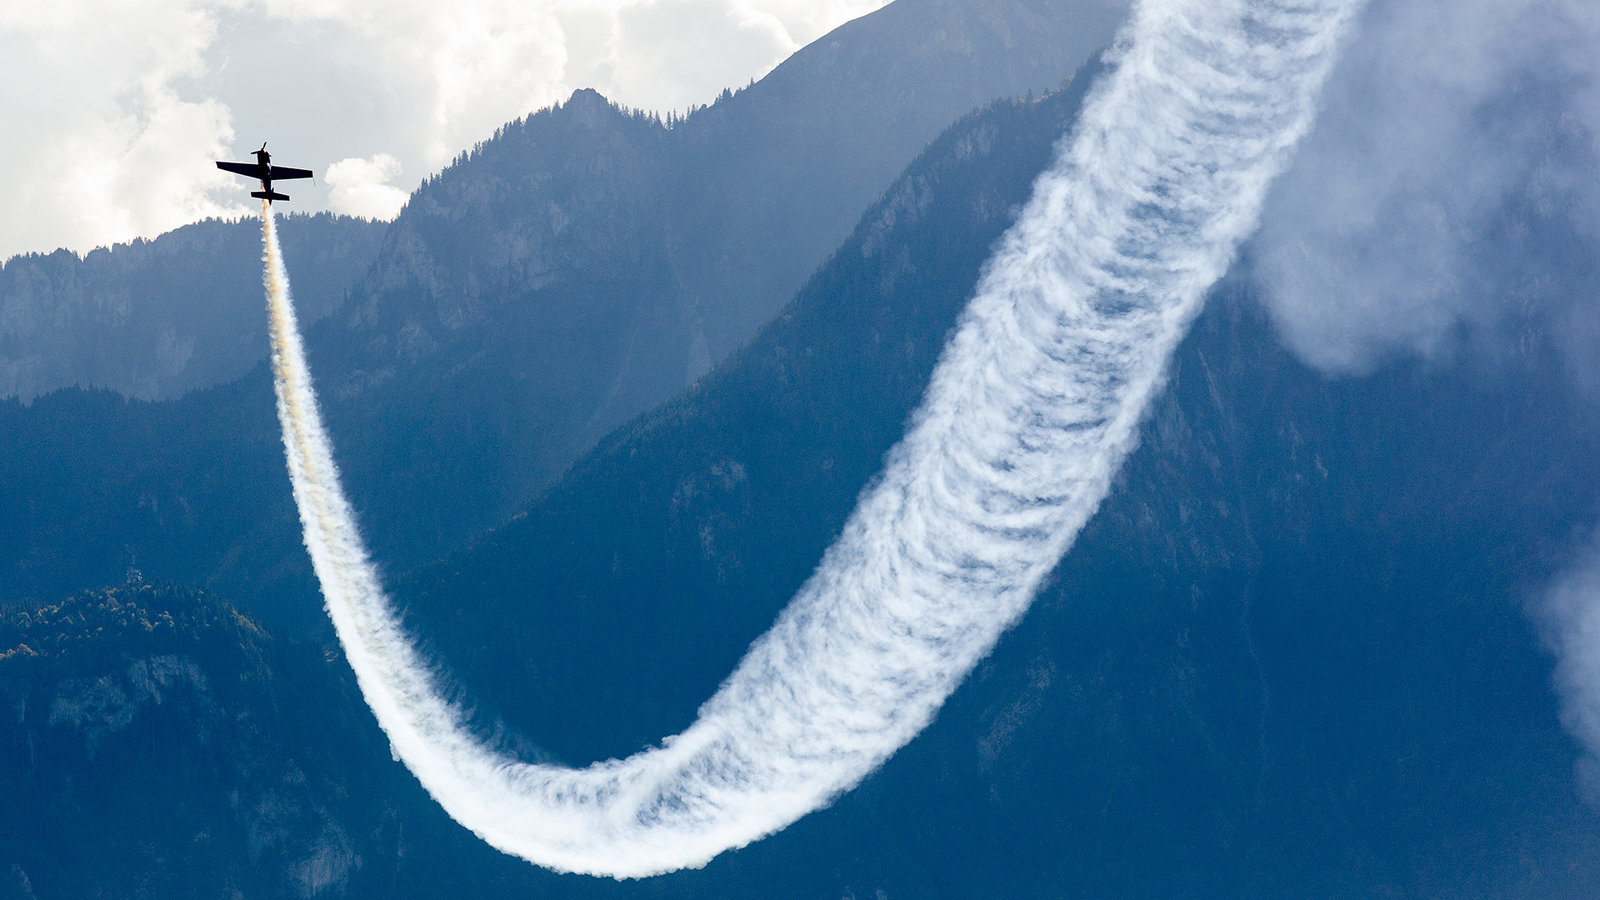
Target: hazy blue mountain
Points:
(159, 318)
(808, 408)
(582, 265)
(588, 262)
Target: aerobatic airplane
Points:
(264, 170)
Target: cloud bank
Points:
(116, 111)
(101, 141)
(1031, 410)
(361, 187)
(1392, 235)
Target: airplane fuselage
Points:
(264, 171)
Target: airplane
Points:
(263, 169)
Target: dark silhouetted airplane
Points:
(264, 170)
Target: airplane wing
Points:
(250, 169)
(281, 172)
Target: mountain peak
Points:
(588, 104)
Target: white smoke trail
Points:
(1569, 618)
(1031, 410)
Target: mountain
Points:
(159, 318)
(582, 265)
(588, 261)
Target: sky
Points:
(116, 109)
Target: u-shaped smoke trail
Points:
(1032, 408)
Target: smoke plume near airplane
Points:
(1033, 407)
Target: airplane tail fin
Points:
(269, 195)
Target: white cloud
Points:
(654, 54)
(1381, 242)
(97, 124)
(360, 187)
(659, 58)
(116, 110)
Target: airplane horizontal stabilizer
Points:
(269, 195)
